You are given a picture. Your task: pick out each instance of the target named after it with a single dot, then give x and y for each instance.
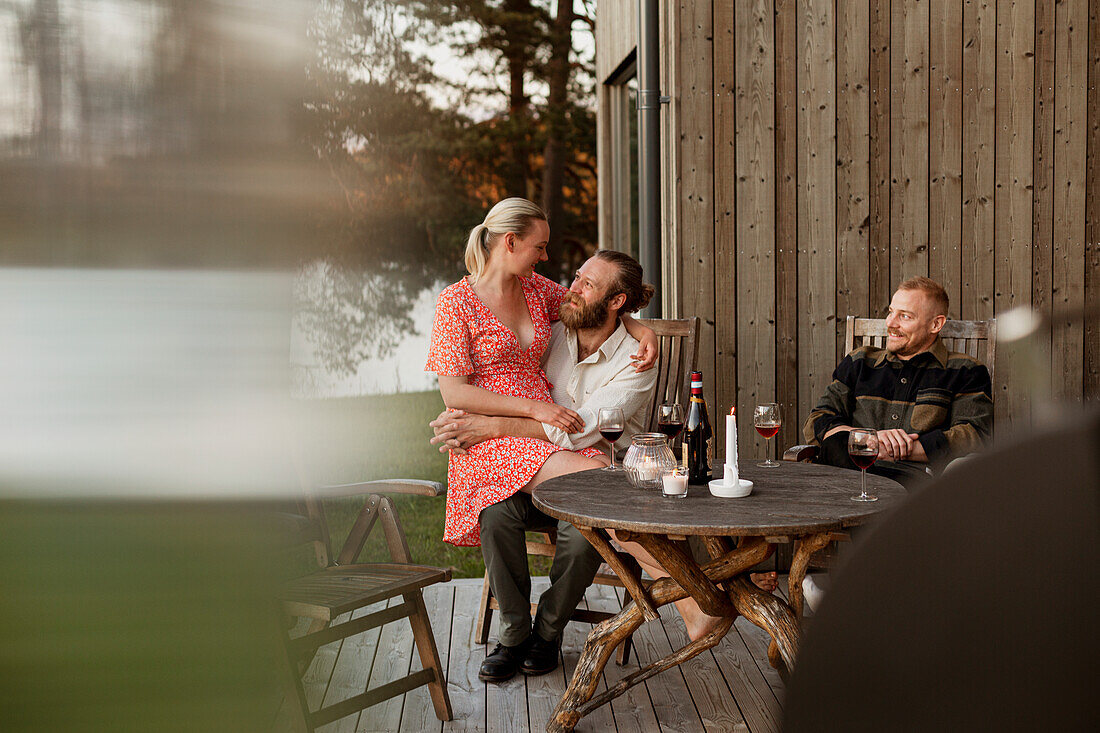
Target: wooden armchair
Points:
(678, 350)
(341, 586)
(976, 338)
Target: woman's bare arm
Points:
(459, 394)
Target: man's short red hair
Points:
(935, 292)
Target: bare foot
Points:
(698, 623)
(767, 582)
(701, 625)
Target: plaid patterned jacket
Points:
(946, 398)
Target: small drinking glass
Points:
(767, 421)
(863, 450)
(611, 426)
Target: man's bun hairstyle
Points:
(629, 281)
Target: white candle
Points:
(647, 470)
(675, 483)
(731, 449)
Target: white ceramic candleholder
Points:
(719, 488)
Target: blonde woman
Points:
(488, 337)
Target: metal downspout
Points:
(649, 149)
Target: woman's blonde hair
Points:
(510, 215)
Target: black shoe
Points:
(503, 663)
(542, 656)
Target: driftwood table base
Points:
(737, 597)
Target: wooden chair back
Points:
(678, 342)
(976, 338)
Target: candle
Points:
(731, 477)
(647, 470)
(675, 483)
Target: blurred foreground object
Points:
(973, 607)
(136, 617)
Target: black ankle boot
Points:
(503, 663)
(542, 656)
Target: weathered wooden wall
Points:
(822, 151)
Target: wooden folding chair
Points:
(342, 586)
(677, 345)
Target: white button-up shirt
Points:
(605, 379)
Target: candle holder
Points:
(647, 460)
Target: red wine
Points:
(864, 460)
(697, 434)
(670, 429)
(612, 435)
(768, 431)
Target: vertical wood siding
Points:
(828, 149)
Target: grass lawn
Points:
(385, 436)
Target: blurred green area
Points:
(127, 616)
(385, 436)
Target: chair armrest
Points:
(416, 487)
(800, 453)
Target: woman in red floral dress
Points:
(488, 337)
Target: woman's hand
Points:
(556, 415)
(647, 351)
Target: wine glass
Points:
(767, 420)
(611, 425)
(863, 450)
(670, 420)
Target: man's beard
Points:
(583, 315)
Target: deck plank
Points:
(713, 700)
(672, 700)
(633, 710)
(600, 719)
(391, 662)
(418, 715)
(543, 691)
(351, 674)
(466, 690)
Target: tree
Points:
(416, 174)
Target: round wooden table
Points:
(808, 504)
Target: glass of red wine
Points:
(767, 420)
(863, 450)
(611, 426)
(670, 420)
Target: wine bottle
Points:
(697, 434)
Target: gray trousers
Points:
(503, 546)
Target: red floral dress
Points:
(468, 340)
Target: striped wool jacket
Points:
(946, 398)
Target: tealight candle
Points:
(647, 470)
(675, 483)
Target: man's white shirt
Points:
(605, 379)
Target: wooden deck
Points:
(730, 688)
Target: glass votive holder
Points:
(647, 459)
(675, 482)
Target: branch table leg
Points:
(807, 546)
(601, 642)
(631, 580)
(771, 614)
